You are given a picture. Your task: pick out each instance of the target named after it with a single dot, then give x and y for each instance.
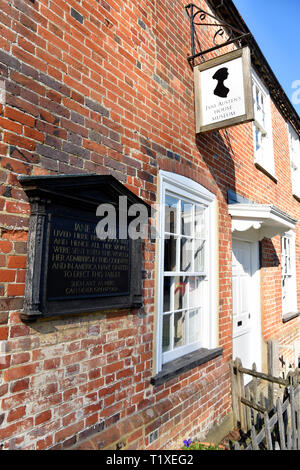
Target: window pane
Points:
(167, 294)
(195, 298)
(263, 114)
(170, 254)
(171, 210)
(257, 99)
(180, 293)
(258, 138)
(166, 343)
(199, 255)
(199, 222)
(186, 218)
(194, 326)
(179, 329)
(186, 254)
(288, 254)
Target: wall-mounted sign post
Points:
(223, 91)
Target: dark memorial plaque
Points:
(69, 269)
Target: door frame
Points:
(256, 327)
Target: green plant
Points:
(200, 446)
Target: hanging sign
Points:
(223, 91)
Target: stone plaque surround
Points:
(69, 269)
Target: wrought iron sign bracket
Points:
(201, 18)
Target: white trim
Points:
(184, 182)
(256, 221)
(188, 189)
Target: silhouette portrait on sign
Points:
(221, 75)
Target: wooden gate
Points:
(267, 410)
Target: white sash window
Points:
(262, 126)
(288, 273)
(294, 147)
(187, 294)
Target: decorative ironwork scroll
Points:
(223, 35)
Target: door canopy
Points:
(257, 221)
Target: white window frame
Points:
(188, 189)
(262, 126)
(288, 273)
(294, 150)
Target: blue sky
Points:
(275, 26)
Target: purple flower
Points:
(187, 442)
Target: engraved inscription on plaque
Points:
(80, 265)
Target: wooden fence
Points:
(267, 411)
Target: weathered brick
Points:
(52, 363)
(19, 358)
(16, 414)
(7, 275)
(5, 246)
(75, 150)
(68, 432)
(3, 318)
(15, 290)
(19, 116)
(9, 60)
(18, 141)
(20, 330)
(19, 372)
(50, 152)
(54, 84)
(22, 105)
(16, 262)
(16, 428)
(97, 107)
(43, 417)
(10, 126)
(5, 360)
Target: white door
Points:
(246, 305)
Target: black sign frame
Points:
(248, 116)
(76, 198)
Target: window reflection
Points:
(199, 255)
(178, 329)
(170, 254)
(180, 293)
(171, 210)
(186, 218)
(166, 343)
(194, 326)
(167, 294)
(186, 254)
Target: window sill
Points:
(289, 316)
(266, 172)
(183, 364)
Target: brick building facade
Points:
(104, 87)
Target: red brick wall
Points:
(113, 94)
